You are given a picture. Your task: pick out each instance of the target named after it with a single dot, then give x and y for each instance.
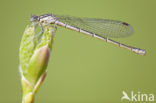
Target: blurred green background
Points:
(81, 69)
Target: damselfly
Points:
(98, 28)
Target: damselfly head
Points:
(34, 18)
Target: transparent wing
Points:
(102, 27)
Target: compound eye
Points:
(34, 18)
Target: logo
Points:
(137, 96)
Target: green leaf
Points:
(34, 56)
